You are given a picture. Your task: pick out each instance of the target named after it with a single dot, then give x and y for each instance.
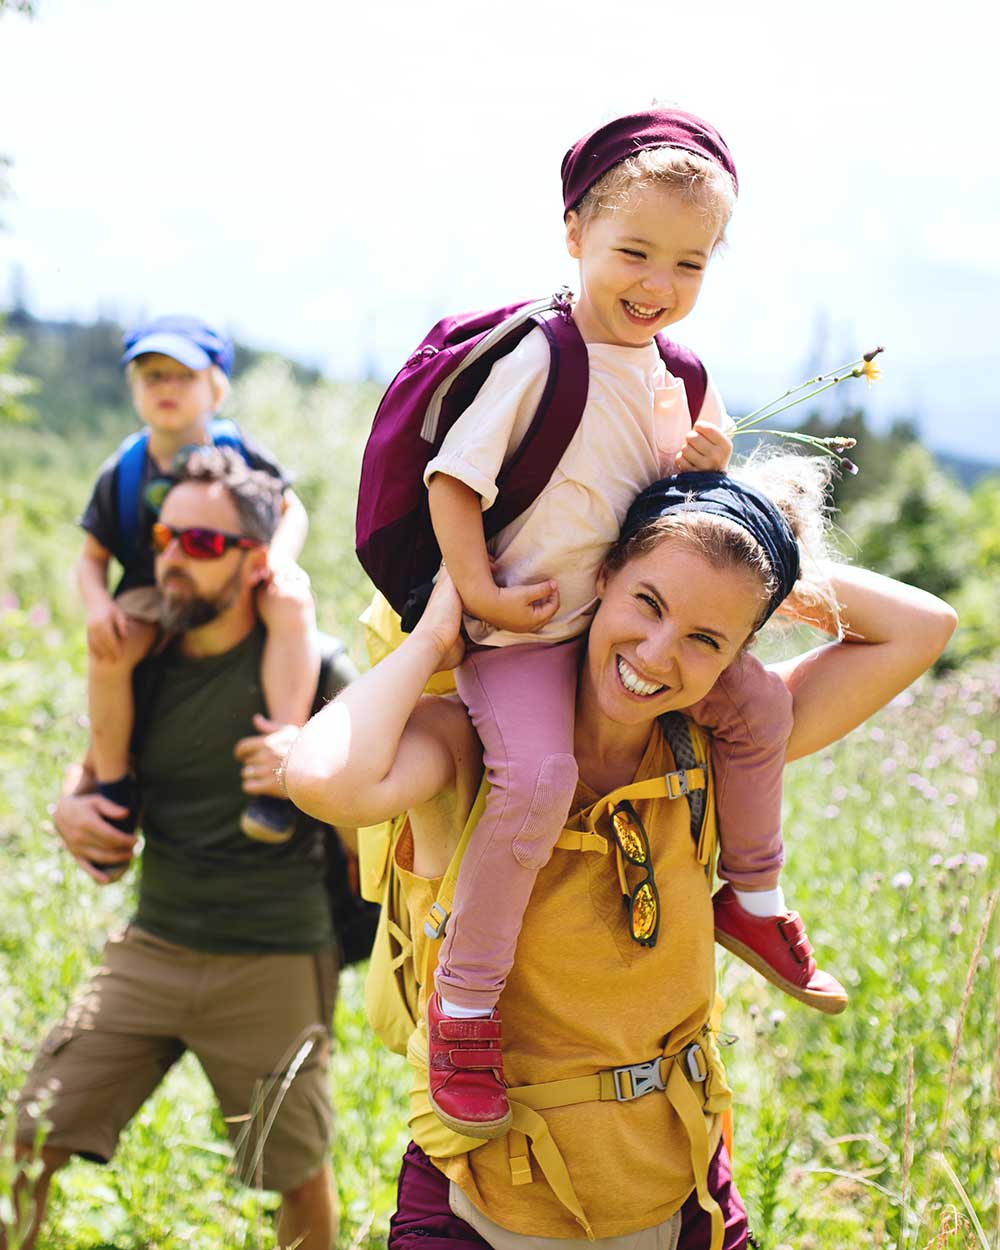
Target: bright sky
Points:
(329, 178)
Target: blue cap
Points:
(185, 339)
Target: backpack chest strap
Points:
(676, 1076)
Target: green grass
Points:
(891, 840)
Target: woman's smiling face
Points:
(668, 623)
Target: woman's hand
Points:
(442, 621)
(263, 754)
(891, 634)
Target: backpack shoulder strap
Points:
(128, 484)
(684, 364)
(128, 479)
(226, 433)
(676, 730)
(440, 909)
(555, 422)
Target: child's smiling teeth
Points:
(633, 682)
(648, 312)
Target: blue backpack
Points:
(128, 482)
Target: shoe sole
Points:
(831, 1004)
(261, 833)
(485, 1130)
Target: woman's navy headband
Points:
(720, 495)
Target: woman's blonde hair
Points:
(799, 487)
(698, 180)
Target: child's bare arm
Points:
(290, 536)
(457, 517)
(106, 625)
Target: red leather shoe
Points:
(778, 948)
(465, 1070)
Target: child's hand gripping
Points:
(706, 449)
(107, 629)
(520, 609)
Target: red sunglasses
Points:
(200, 544)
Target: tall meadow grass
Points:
(876, 1128)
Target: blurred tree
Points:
(14, 387)
(919, 526)
(876, 454)
(978, 599)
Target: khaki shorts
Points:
(245, 1017)
(142, 603)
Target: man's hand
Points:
(81, 820)
(106, 631)
(262, 755)
(706, 449)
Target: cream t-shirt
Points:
(634, 421)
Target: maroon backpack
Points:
(394, 537)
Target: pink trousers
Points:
(521, 700)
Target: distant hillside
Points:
(81, 386)
(968, 472)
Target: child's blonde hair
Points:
(699, 181)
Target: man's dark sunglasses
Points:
(200, 544)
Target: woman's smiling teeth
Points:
(648, 312)
(633, 682)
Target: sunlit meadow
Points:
(875, 1128)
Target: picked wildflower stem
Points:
(835, 375)
(860, 368)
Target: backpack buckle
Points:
(677, 784)
(436, 922)
(562, 302)
(643, 1078)
(696, 1063)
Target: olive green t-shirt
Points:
(205, 884)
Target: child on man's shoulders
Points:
(178, 371)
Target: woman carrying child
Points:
(610, 1021)
(647, 198)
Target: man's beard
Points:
(181, 613)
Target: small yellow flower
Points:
(871, 371)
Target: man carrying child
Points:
(231, 952)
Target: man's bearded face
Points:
(183, 608)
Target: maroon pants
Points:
(424, 1220)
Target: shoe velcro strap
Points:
(791, 927)
(473, 1030)
(487, 1057)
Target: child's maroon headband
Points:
(592, 156)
